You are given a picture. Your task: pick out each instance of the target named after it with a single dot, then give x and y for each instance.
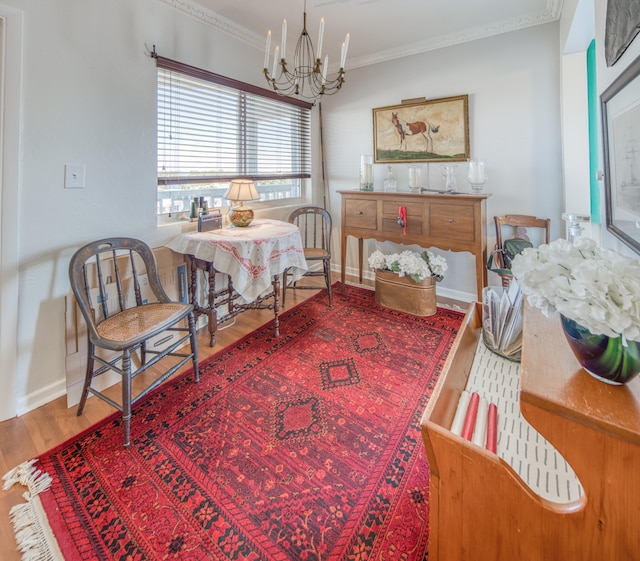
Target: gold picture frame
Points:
(435, 130)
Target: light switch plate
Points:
(74, 176)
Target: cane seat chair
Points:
(117, 287)
(314, 224)
(517, 226)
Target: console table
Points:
(455, 222)
(481, 507)
(252, 259)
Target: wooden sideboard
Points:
(455, 222)
(481, 509)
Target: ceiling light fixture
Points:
(308, 77)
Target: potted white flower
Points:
(596, 291)
(406, 281)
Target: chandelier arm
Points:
(307, 79)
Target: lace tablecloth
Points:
(251, 255)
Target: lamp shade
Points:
(242, 190)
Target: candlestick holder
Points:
(477, 175)
(366, 173)
(415, 178)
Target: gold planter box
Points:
(405, 295)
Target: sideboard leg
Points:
(343, 261)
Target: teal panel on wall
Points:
(594, 136)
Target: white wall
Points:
(514, 118)
(575, 136)
(88, 97)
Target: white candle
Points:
(324, 69)
(275, 63)
(461, 411)
(284, 38)
(476, 172)
(480, 431)
(345, 46)
(266, 51)
(320, 34)
(368, 174)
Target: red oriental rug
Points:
(302, 447)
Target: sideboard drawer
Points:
(416, 223)
(454, 222)
(415, 211)
(391, 226)
(361, 214)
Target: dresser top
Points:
(432, 194)
(553, 379)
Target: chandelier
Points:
(307, 77)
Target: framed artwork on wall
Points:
(620, 107)
(621, 26)
(434, 130)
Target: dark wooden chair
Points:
(314, 224)
(106, 278)
(516, 226)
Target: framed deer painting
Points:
(434, 130)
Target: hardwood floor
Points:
(36, 432)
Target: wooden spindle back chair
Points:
(314, 224)
(116, 285)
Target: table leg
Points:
(360, 248)
(212, 314)
(276, 305)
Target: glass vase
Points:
(366, 173)
(608, 359)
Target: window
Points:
(212, 129)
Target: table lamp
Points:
(241, 190)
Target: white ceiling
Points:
(380, 30)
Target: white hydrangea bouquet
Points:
(595, 287)
(418, 266)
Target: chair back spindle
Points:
(103, 292)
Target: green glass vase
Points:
(607, 359)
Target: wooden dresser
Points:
(482, 509)
(455, 222)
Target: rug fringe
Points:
(34, 537)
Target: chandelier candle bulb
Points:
(324, 70)
(320, 35)
(345, 46)
(266, 52)
(284, 38)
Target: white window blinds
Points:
(213, 129)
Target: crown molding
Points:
(209, 17)
(550, 14)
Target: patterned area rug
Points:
(302, 447)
